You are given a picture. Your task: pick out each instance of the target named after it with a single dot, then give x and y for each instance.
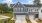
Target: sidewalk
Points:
(33, 21)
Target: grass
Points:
(31, 22)
(7, 14)
(40, 22)
(28, 21)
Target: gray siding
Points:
(20, 13)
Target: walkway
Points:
(3, 17)
(33, 21)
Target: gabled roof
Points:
(18, 4)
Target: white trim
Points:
(20, 12)
(21, 4)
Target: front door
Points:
(36, 15)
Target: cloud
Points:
(30, 1)
(8, 1)
(41, 1)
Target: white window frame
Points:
(30, 10)
(21, 10)
(36, 10)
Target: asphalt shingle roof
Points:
(26, 5)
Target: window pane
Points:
(26, 10)
(15, 9)
(36, 10)
(36, 15)
(41, 10)
(18, 9)
(30, 10)
(21, 9)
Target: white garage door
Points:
(20, 17)
(31, 16)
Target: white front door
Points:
(31, 16)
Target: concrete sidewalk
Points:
(33, 21)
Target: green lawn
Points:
(28, 21)
(39, 22)
(31, 22)
(7, 14)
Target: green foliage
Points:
(4, 8)
(36, 2)
(11, 5)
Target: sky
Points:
(15, 1)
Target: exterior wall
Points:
(33, 14)
(22, 10)
(33, 9)
(40, 13)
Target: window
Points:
(26, 10)
(36, 15)
(41, 10)
(36, 10)
(30, 10)
(21, 10)
(16, 9)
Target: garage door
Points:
(20, 17)
(31, 16)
